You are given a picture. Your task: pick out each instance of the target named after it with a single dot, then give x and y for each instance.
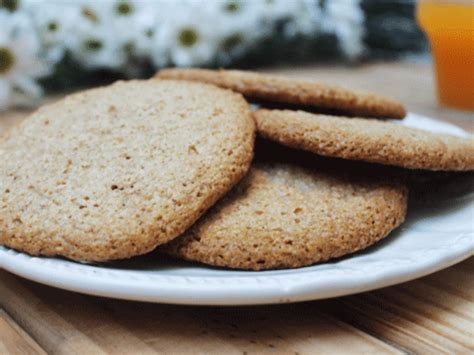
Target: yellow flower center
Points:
(232, 6)
(89, 14)
(124, 8)
(188, 37)
(232, 41)
(52, 26)
(7, 59)
(93, 45)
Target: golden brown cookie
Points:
(282, 90)
(365, 139)
(291, 214)
(113, 172)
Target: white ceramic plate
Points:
(431, 239)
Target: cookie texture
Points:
(282, 90)
(113, 172)
(365, 139)
(287, 214)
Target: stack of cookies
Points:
(172, 162)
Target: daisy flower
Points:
(139, 19)
(94, 44)
(298, 16)
(345, 19)
(20, 62)
(54, 22)
(239, 25)
(186, 37)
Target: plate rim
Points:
(269, 289)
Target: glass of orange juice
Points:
(449, 25)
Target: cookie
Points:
(290, 214)
(282, 90)
(366, 139)
(113, 172)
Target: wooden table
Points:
(434, 314)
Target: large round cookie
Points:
(288, 214)
(365, 139)
(113, 172)
(298, 92)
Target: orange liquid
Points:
(450, 28)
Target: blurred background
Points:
(51, 45)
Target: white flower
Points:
(20, 62)
(186, 37)
(345, 19)
(134, 23)
(299, 16)
(239, 25)
(112, 34)
(94, 47)
(94, 43)
(54, 22)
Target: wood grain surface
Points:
(14, 340)
(432, 315)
